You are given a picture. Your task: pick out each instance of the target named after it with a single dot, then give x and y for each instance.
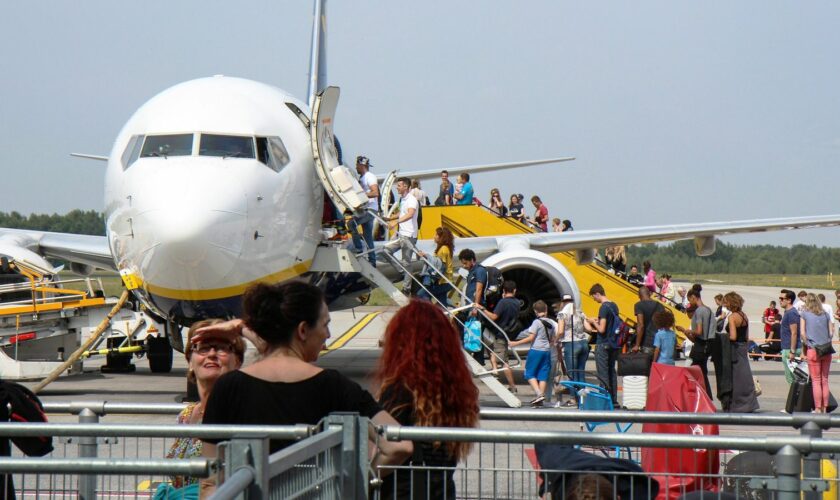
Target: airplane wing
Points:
(582, 241)
(33, 246)
(474, 169)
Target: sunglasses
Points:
(221, 349)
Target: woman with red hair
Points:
(425, 382)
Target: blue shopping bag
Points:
(472, 335)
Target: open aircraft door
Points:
(386, 208)
(339, 183)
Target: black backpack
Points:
(495, 279)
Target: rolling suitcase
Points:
(634, 392)
(800, 398)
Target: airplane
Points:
(218, 183)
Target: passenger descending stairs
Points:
(339, 259)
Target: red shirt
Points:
(769, 318)
(541, 217)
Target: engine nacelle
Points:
(538, 276)
(82, 269)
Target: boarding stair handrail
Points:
(451, 311)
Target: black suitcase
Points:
(800, 397)
(634, 363)
(801, 394)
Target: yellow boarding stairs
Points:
(473, 221)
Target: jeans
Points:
(552, 372)
(818, 367)
(575, 358)
(405, 245)
(439, 292)
(605, 359)
(366, 223)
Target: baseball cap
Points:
(362, 160)
(567, 298)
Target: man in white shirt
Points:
(370, 184)
(406, 225)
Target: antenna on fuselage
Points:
(318, 52)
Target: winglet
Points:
(89, 157)
(318, 52)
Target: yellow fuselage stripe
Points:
(349, 334)
(229, 291)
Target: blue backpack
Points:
(618, 331)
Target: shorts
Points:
(538, 365)
(500, 349)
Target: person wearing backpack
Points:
(474, 292)
(541, 335)
(506, 315)
(606, 343)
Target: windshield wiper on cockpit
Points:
(237, 154)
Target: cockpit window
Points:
(272, 152)
(132, 150)
(226, 146)
(167, 145)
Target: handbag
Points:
(472, 335)
(823, 349)
(634, 363)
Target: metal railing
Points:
(332, 460)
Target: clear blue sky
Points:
(677, 111)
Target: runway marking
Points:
(352, 332)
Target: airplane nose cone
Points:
(191, 227)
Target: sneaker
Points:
(513, 390)
(569, 404)
(537, 400)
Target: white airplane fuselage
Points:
(193, 219)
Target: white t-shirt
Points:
(830, 311)
(408, 228)
(367, 180)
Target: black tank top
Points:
(741, 332)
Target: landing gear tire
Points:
(159, 353)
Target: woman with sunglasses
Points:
(208, 360)
(496, 203)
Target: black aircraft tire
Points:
(160, 354)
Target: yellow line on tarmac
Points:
(349, 334)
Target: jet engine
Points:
(538, 276)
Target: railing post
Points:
(250, 452)
(87, 449)
(788, 467)
(354, 453)
(811, 464)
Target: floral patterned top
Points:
(185, 447)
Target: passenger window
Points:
(226, 146)
(132, 150)
(167, 145)
(272, 152)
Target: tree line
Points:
(75, 221)
(680, 258)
